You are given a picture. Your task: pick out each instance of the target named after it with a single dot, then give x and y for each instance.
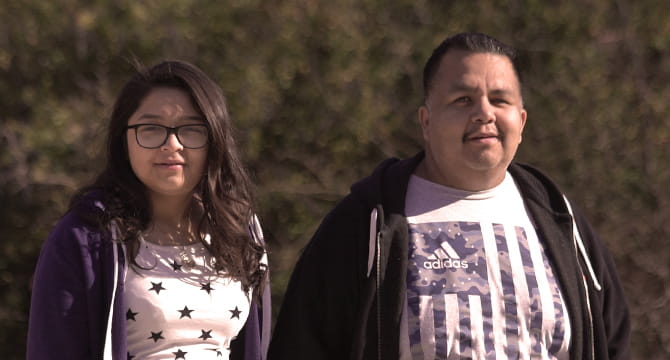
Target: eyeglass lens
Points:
(154, 136)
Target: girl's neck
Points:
(173, 222)
(170, 210)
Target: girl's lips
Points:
(169, 165)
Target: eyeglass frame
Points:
(170, 130)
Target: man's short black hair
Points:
(467, 41)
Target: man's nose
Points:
(483, 112)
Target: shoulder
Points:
(72, 233)
(70, 257)
(346, 226)
(387, 185)
(537, 186)
(531, 176)
(343, 217)
(81, 228)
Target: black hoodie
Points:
(331, 311)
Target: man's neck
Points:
(467, 181)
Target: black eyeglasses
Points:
(153, 136)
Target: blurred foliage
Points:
(321, 91)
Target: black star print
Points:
(157, 287)
(175, 266)
(156, 336)
(218, 352)
(207, 287)
(235, 313)
(205, 335)
(130, 315)
(185, 312)
(180, 354)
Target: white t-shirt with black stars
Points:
(179, 307)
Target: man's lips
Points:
(481, 136)
(482, 133)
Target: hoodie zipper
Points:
(588, 308)
(588, 301)
(579, 248)
(374, 259)
(108, 348)
(379, 306)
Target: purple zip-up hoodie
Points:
(77, 306)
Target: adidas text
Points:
(447, 263)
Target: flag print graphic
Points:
(480, 289)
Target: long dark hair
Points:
(224, 191)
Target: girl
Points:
(162, 257)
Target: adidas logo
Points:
(445, 258)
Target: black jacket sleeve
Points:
(318, 312)
(610, 312)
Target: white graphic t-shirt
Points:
(179, 307)
(479, 284)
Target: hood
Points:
(538, 187)
(387, 185)
(89, 206)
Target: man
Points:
(457, 253)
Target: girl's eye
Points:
(151, 129)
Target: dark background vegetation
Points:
(321, 91)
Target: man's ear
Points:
(423, 115)
(524, 115)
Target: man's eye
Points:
(462, 100)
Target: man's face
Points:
(472, 120)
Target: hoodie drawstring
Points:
(110, 319)
(580, 246)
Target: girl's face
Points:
(173, 167)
